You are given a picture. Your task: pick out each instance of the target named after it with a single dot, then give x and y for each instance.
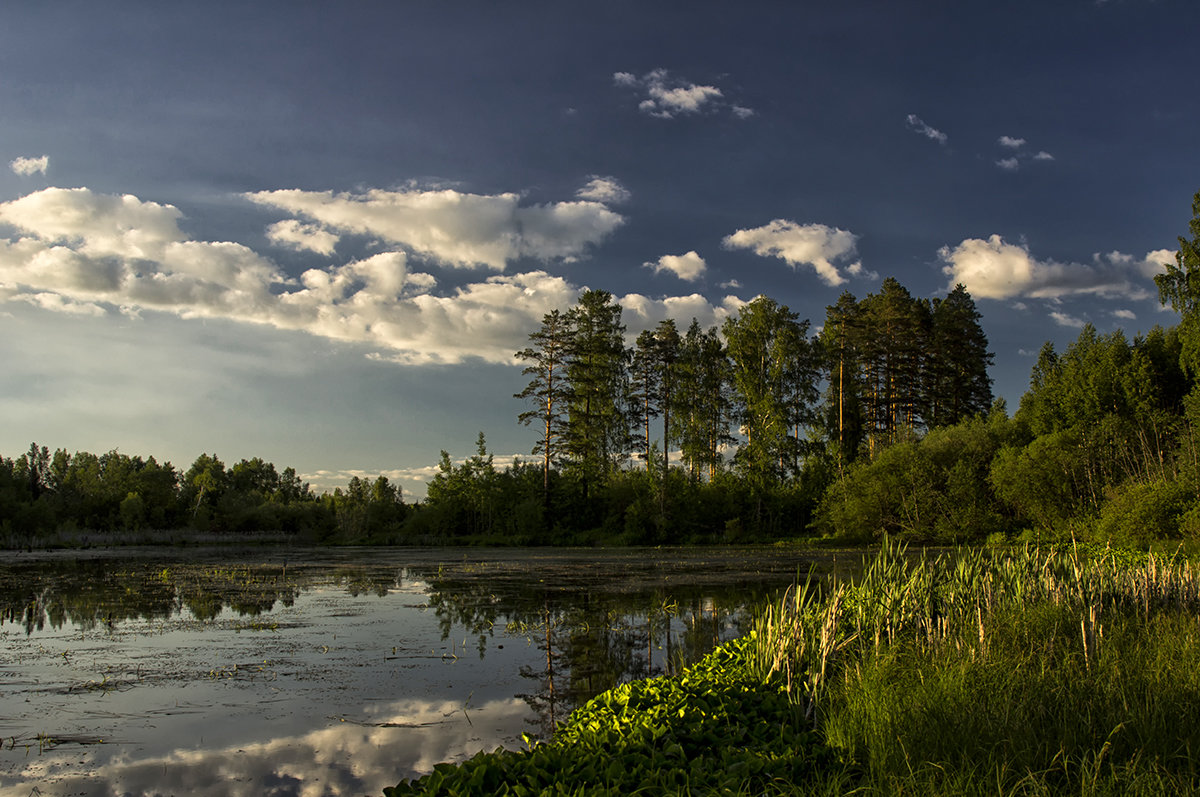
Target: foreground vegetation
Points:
(976, 672)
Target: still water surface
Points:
(334, 672)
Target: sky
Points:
(317, 233)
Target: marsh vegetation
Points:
(968, 672)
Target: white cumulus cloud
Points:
(57, 303)
(688, 266)
(603, 189)
(1011, 142)
(91, 249)
(455, 228)
(80, 252)
(814, 245)
(298, 235)
(996, 269)
(667, 97)
(642, 312)
(102, 224)
(27, 167)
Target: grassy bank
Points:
(976, 672)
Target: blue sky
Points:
(316, 232)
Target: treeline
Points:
(44, 493)
(731, 433)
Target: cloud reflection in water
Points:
(347, 758)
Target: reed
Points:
(1025, 671)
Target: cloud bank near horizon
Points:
(458, 229)
(83, 252)
(86, 253)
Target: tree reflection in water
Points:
(561, 627)
(597, 621)
(593, 634)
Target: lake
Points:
(277, 671)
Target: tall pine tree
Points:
(548, 391)
(652, 382)
(957, 381)
(840, 341)
(598, 436)
(893, 338)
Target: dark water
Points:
(331, 672)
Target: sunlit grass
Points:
(980, 672)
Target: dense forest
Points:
(883, 423)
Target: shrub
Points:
(1138, 514)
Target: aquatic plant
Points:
(713, 728)
(1027, 671)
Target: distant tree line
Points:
(43, 492)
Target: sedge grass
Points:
(978, 672)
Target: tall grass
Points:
(1026, 672)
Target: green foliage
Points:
(773, 376)
(712, 729)
(1034, 707)
(1138, 514)
(548, 391)
(933, 489)
(365, 512)
(957, 385)
(1044, 481)
(895, 365)
(475, 502)
(653, 378)
(701, 402)
(1112, 440)
(1100, 376)
(840, 343)
(973, 672)
(597, 434)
